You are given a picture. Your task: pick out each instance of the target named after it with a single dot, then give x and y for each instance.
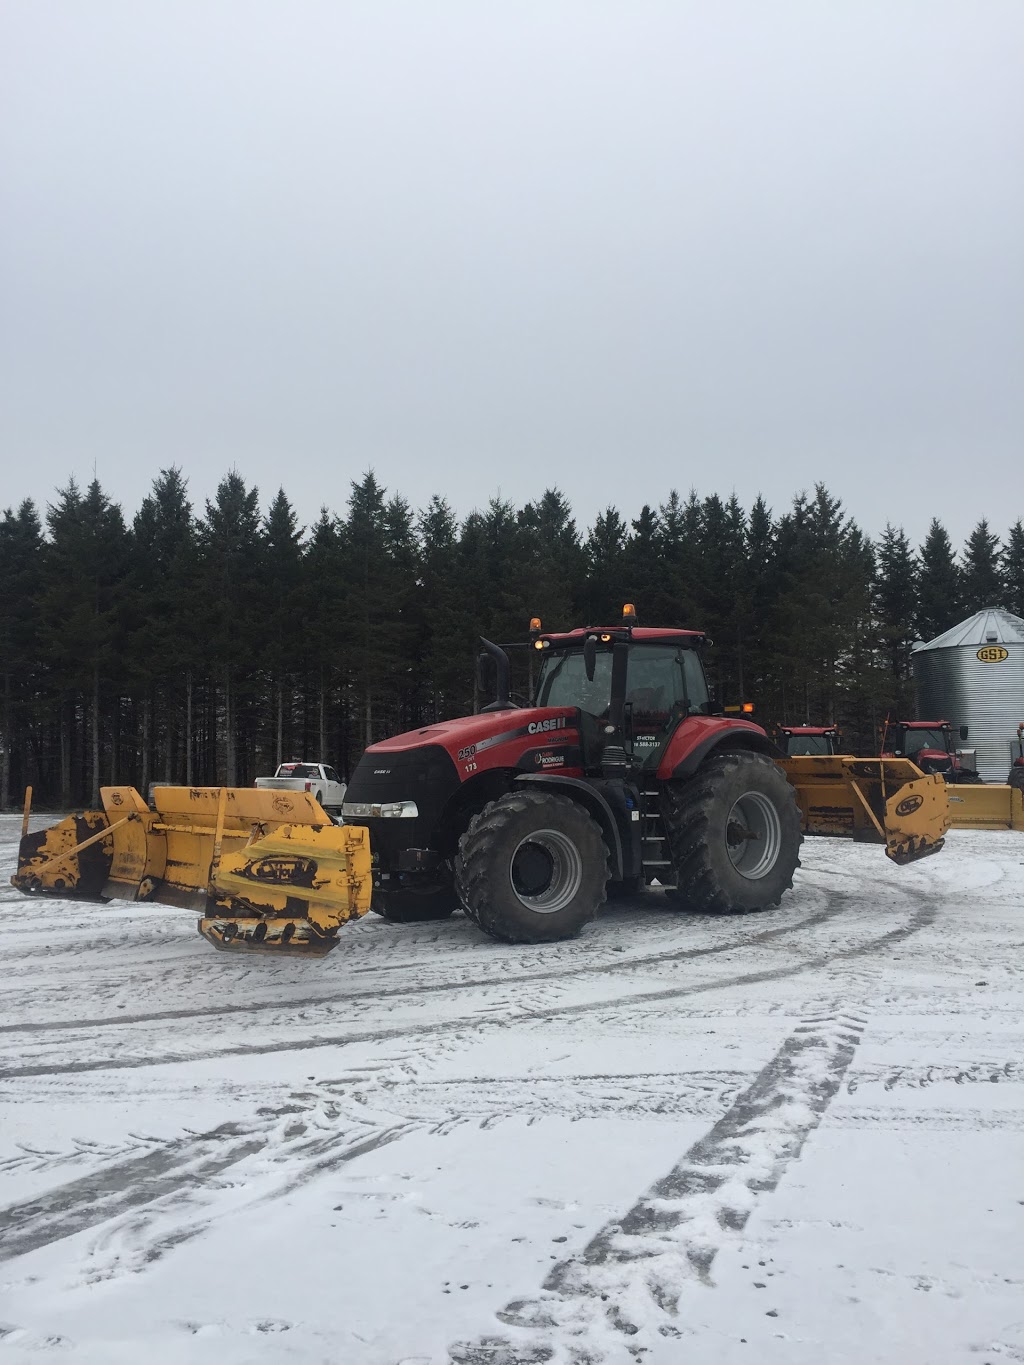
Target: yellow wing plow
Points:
(268, 871)
(880, 800)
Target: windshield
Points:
(297, 770)
(807, 746)
(563, 682)
(916, 740)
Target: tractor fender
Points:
(585, 795)
(698, 738)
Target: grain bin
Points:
(973, 675)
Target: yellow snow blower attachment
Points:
(268, 870)
(879, 800)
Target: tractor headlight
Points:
(385, 810)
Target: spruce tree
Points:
(895, 603)
(642, 568)
(283, 654)
(446, 644)
(1013, 569)
(83, 616)
(230, 538)
(760, 683)
(555, 559)
(163, 647)
(325, 595)
(939, 593)
(982, 580)
(605, 560)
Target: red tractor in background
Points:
(1016, 774)
(807, 741)
(620, 774)
(929, 744)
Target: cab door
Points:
(664, 684)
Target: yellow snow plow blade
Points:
(880, 800)
(269, 871)
(989, 805)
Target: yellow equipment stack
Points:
(880, 800)
(269, 871)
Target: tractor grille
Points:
(425, 775)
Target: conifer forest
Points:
(205, 645)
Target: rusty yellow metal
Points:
(26, 811)
(65, 860)
(887, 801)
(986, 806)
(269, 871)
(68, 858)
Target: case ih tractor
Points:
(929, 744)
(619, 775)
(808, 741)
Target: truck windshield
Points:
(297, 770)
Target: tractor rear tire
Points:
(416, 907)
(734, 835)
(1016, 778)
(532, 868)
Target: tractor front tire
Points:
(734, 834)
(532, 868)
(966, 777)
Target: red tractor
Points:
(808, 741)
(1016, 774)
(620, 774)
(929, 744)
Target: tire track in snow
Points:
(446, 986)
(629, 1277)
(151, 1202)
(919, 919)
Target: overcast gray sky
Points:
(618, 247)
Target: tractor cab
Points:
(808, 741)
(930, 745)
(632, 686)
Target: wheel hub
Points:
(753, 835)
(546, 871)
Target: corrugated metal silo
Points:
(973, 675)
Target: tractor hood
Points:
(484, 731)
(932, 755)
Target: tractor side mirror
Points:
(590, 656)
(963, 731)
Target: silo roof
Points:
(992, 626)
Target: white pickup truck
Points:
(318, 778)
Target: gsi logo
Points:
(993, 654)
(909, 804)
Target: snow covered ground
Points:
(796, 1138)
